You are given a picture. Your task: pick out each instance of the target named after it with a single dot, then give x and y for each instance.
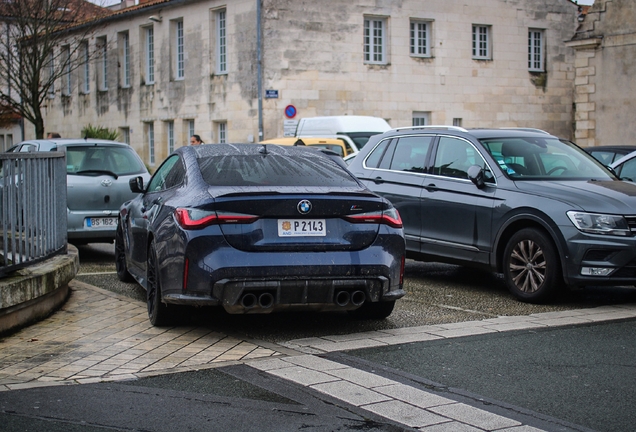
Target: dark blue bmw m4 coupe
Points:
(260, 228)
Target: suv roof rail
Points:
(448, 127)
(527, 129)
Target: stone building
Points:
(605, 65)
(171, 68)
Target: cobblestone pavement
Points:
(98, 336)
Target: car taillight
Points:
(389, 217)
(197, 219)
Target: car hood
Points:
(611, 196)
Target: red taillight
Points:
(194, 219)
(392, 217)
(389, 217)
(197, 219)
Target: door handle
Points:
(378, 180)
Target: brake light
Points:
(389, 217)
(197, 219)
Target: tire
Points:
(375, 311)
(120, 256)
(158, 312)
(532, 269)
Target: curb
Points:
(33, 293)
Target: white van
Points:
(354, 131)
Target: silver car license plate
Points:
(105, 222)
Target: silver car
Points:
(98, 172)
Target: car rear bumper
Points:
(265, 296)
(259, 282)
(78, 230)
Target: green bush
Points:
(100, 132)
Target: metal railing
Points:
(32, 208)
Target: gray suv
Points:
(523, 203)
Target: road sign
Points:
(289, 127)
(290, 111)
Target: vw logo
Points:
(304, 207)
(106, 182)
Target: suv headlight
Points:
(594, 223)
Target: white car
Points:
(625, 167)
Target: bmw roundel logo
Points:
(304, 207)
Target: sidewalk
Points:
(101, 336)
(78, 345)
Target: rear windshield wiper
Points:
(110, 173)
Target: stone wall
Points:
(605, 64)
(34, 292)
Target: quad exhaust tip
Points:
(249, 301)
(342, 298)
(264, 300)
(356, 298)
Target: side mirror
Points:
(136, 184)
(476, 175)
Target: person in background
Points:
(53, 135)
(195, 140)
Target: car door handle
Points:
(378, 180)
(430, 186)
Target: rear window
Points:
(87, 159)
(274, 169)
(333, 147)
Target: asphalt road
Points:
(232, 398)
(583, 375)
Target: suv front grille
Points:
(631, 222)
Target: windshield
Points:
(360, 138)
(93, 159)
(534, 158)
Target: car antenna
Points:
(263, 150)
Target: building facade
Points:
(171, 68)
(605, 64)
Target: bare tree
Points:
(31, 56)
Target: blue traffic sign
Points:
(290, 111)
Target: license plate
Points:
(101, 222)
(301, 228)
